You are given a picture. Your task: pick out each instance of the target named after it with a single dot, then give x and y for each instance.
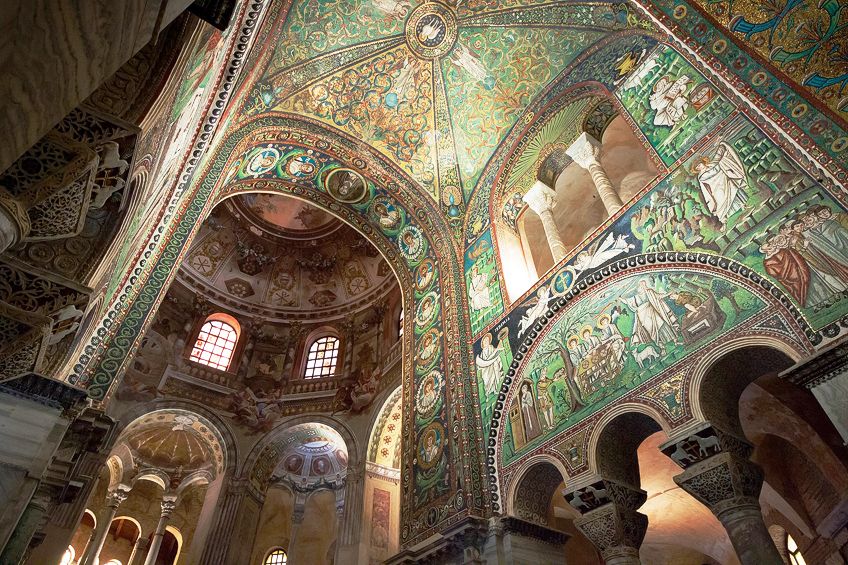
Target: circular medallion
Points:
(302, 166)
(429, 393)
(426, 311)
(262, 161)
(387, 214)
(411, 243)
(346, 185)
(430, 445)
(429, 349)
(424, 274)
(431, 30)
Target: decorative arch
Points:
(212, 421)
(616, 412)
(412, 237)
(265, 455)
(702, 369)
(772, 315)
(524, 472)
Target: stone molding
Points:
(821, 367)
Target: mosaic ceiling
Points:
(435, 87)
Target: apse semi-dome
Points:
(171, 441)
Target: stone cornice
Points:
(44, 390)
(820, 367)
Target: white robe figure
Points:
(722, 179)
(654, 322)
(601, 252)
(669, 100)
(538, 309)
(478, 294)
(491, 367)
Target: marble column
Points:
(139, 551)
(221, 533)
(610, 519)
(104, 521)
(33, 517)
(718, 472)
(169, 502)
(584, 151)
(350, 518)
(541, 199)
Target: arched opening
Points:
(538, 499)
(565, 185)
(123, 533)
(301, 471)
(381, 510)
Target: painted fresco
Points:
(485, 300)
(613, 340)
(672, 103)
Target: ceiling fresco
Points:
(432, 86)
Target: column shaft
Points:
(167, 508)
(219, 538)
(541, 199)
(16, 548)
(113, 501)
(584, 151)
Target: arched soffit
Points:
(208, 425)
(724, 348)
(438, 106)
(268, 453)
(415, 239)
(553, 472)
(384, 443)
(590, 349)
(596, 72)
(617, 435)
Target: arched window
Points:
(322, 357)
(68, 556)
(216, 341)
(795, 557)
(277, 557)
(400, 323)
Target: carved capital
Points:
(610, 518)
(541, 198)
(703, 443)
(115, 498)
(584, 151)
(723, 482)
(168, 504)
(14, 221)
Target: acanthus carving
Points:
(610, 517)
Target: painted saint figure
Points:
(490, 364)
(669, 100)
(654, 322)
(722, 180)
(478, 292)
(546, 405)
(532, 429)
(543, 296)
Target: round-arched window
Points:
(68, 556)
(322, 358)
(277, 557)
(216, 342)
(795, 557)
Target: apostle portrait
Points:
(490, 365)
